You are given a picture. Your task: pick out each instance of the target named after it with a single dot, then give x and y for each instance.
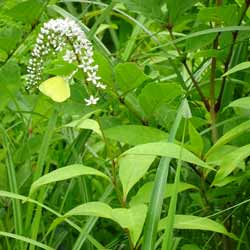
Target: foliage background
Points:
(152, 55)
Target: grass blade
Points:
(12, 183)
(40, 166)
(27, 240)
(156, 201)
(168, 234)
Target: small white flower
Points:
(92, 77)
(91, 101)
(69, 56)
(78, 48)
(100, 85)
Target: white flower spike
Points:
(54, 37)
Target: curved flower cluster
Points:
(54, 37)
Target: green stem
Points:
(184, 62)
(212, 93)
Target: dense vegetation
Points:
(124, 124)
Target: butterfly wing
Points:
(56, 88)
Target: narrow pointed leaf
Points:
(64, 174)
(166, 149)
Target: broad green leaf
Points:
(26, 11)
(94, 208)
(243, 103)
(148, 8)
(10, 35)
(132, 102)
(129, 76)
(84, 123)
(166, 149)
(144, 193)
(239, 67)
(216, 157)
(153, 95)
(132, 168)
(196, 141)
(230, 162)
(176, 8)
(59, 67)
(27, 240)
(64, 174)
(10, 82)
(230, 135)
(222, 14)
(135, 134)
(197, 43)
(131, 218)
(105, 70)
(191, 222)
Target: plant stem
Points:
(184, 62)
(114, 180)
(229, 56)
(212, 93)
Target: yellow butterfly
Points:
(56, 88)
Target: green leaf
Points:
(135, 134)
(131, 218)
(197, 43)
(196, 141)
(222, 14)
(94, 208)
(84, 123)
(176, 8)
(10, 82)
(10, 35)
(144, 193)
(166, 149)
(129, 76)
(26, 11)
(148, 8)
(230, 162)
(239, 67)
(230, 135)
(191, 222)
(216, 157)
(132, 168)
(64, 174)
(243, 103)
(105, 68)
(153, 95)
(59, 67)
